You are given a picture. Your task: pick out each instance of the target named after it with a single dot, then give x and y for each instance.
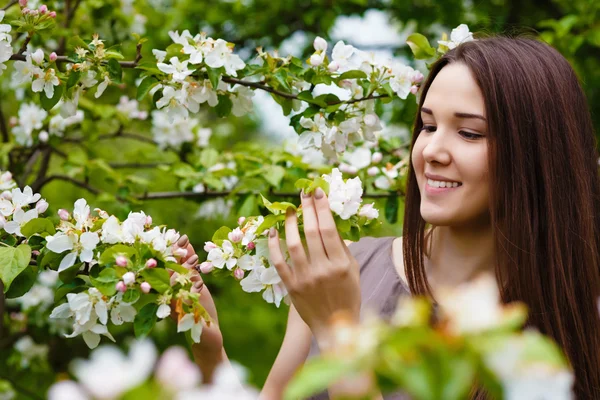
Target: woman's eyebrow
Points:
(456, 114)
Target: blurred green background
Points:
(253, 330)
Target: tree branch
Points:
(138, 165)
(29, 166)
(41, 176)
(1, 309)
(9, 5)
(3, 127)
(66, 178)
(25, 43)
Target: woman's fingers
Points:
(278, 260)
(191, 262)
(294, 243)
(311, 230)
(327, 228)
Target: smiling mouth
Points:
(442, 184)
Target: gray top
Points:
(380, 287)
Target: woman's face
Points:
(450, 156)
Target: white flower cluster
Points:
(345, 197)
(182, 93)
(109, 374)
(16, 208)
(6, 50)
(459, 35)
(177, 131)
(41, 75)
(30, 352)
(130, 108)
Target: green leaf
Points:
(391, 208)
(214, 75)
(303, 184)
(354, 74)
(174, 50)
(209, 157)
(73, 78)
(41, 226)
(76, 41)
(22, 283)
(106, 281)
(131, 295)
(145, 320)
(270, 220)
(281, 78)
(113, 55)
(221, 234)
(317, 375)
(115, 72)
(13, 261)
(69, 274)
(158, 278)
(274, 174)
(76, 286)
(224, 107)
(48, 103)
(420, 46)
(248, 207)
(145, 86)
(177, 267)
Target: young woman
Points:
(503, 178)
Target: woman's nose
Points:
(436, 149)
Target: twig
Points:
(47, 153)
(25, 43)
(173, 195)
(138, 165)
(66, 178)
(133, 136)
(3, 127)
(9, 5)
(29, 166)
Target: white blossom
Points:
(459, 35)
(341, 57)
(344, 197)
(130, 108)
(189, 323)
(223, 256)
(46, 82)
(242, 101)
(102, 86)
(19, 219)
(267, 279)
(402, 79)
(178, 69)
(222, 56)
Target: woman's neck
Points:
(459, 254)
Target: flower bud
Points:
(13, 121)
(145, 286)
(206, 267)
(35, 252)
(348, 169)
(345, 83)
(373, 171)
(333, 66)
(53, 56)
(128, 277)
(241, 220)
(22, 3)
(315, 60)
(236, 235)
(5, 177)
(63, 214)
(121, 287)
(41, 206)
(25, 11)
(238, 274)
(101, 213)
(376, 157)
(371, 119)
(52, 14)
(208, 246)
(6, 195)
(35, 13)
(251, 246)
(151, 263)
(418, 77)
(148, 220)
(414, 89)
(43, 9)
(43, 136)
(121, 261)
(320, 44)
(180, 252)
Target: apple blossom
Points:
(206, 267)
(369, 211)
(64, 214)
(53, 56)
(251, 246)
(52, 14)
(176, 371)
(221, 257)
(180, 252)
(190, 323)
(46, 83)
(236, 235)
(238, 274)
(320, 44)
(43, 9)
(373, 171)
(459, 35)
(128, 277)
(376, 157)
(121, 287)
(23, 3)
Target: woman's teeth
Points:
(442, 184)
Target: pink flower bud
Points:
(376, 157)
(236, 235)
(34, 12)
(333, 66)
(43, 136)
(241, 220)
(206, 267)
(63, 214)
(251, 246)
(25, 11)
(22, 3)
(13, 121)
(128, 278)
(180, 252)
(41, 206)
(148, 220)
(208, 246)
(414, 89)
(53, 56)
(151, 263)
(35, 252)
(121, 287)
(373, 171)
(418, 77)
(52, 14)
(145, 286)
(121, 261)
(43, 9)
(238, 274)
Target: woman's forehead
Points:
(454, 89)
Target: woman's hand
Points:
(209, 352)
(325, 281)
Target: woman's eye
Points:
(470, 135)
(428, 128)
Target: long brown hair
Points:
(544, 190)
